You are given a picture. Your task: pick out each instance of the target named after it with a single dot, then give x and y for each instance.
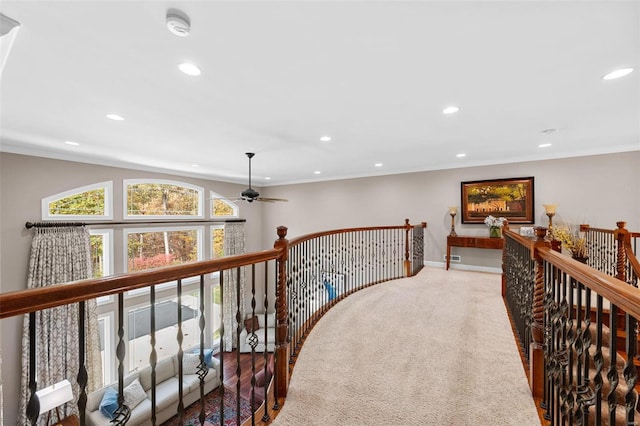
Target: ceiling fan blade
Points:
(271, 200)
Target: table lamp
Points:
(54, 396)
(550, 210)
(453, 210)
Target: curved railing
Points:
(325, 267)
(577, 326)
(363, 256)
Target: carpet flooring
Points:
(435, 349)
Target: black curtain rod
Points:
(52, 224)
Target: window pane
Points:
(148, 250)
(223, 208)
(217, 242)
(83, 204)
(97, 255)
(161, 199)
(166, 316)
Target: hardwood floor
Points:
(230, 364)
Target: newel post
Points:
(536, 349)
(282, 329)
(621, 235)
(407, 261)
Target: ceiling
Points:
(278, 75)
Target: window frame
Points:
(108, 265)
(125, 193)
(108, 203)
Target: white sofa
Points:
(244, 345)
(166, 393)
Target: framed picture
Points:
(508, 198)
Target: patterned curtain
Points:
(60, 255)
(233, 244)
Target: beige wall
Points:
(598, 190)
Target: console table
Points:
(472, 242)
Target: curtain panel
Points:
(60, 255)
(234, 243)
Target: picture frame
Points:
(511, 198)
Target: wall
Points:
(24, 181)
(598, 190)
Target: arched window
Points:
(221, 207)
(91, 202)
(157, 198)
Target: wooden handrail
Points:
(524, 241)
(299, 240)
(623, 295)
(36, 299)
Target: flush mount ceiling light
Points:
(617, 73)
(178, 23)
(450, 109)
(189, 69)
(115, 117)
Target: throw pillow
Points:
(208, 355)
(109, 403)
(330, 290)
(134, 394)
(190, 363)
(252, 324)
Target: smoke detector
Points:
(178, 23)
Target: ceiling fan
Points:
(250, 195)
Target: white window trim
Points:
(109, 345)
(125, 192)
(125, 253)
(107, 267)
(234, 206)
(108, 203)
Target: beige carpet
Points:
(435, 349)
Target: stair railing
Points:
(582, 324)
(325, 267)
(351, 259)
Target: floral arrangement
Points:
(572, 240)
(494, 222)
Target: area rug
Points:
(212, 411)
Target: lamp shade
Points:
(550, 208)
(54, 396)
(453, 209)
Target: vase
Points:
(495, 232)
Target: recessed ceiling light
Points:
(317, 172)
(72, 143)
(450, 110)
(544, 145)
(195, 165)
(267, 178)
(378, 165)
(617, 73)
(461, 155)
(115, 117)
(325, 138)
(189, 69)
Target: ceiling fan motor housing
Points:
(250, 194)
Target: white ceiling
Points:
(278, 75)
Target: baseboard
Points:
(474, 268)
